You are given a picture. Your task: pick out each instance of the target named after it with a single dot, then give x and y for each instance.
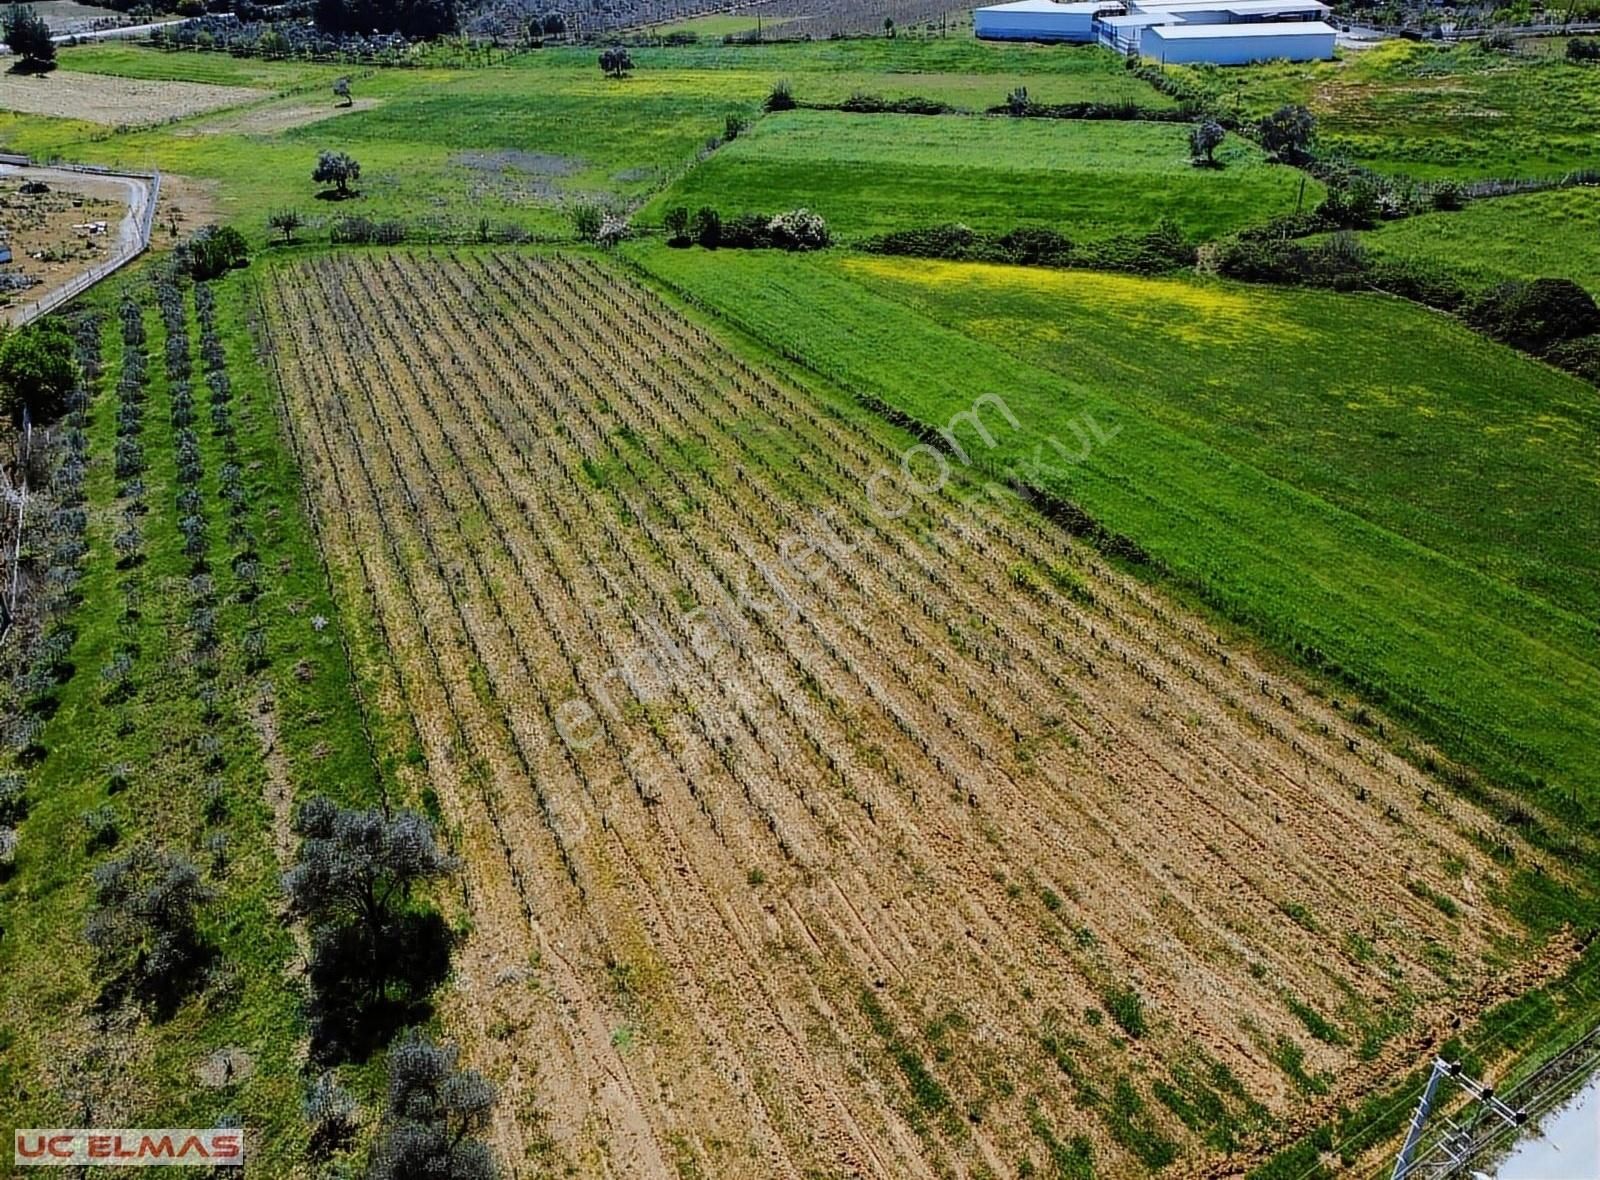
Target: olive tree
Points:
(145, 924)
(373, 953)
(338, 169)
(435, 1111)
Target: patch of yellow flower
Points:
(1193, 311)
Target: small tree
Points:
(587, 220)
(38, 371)
(145, 927)
(708, 227)
(338, 169)
(615, 62)
(888, 26)
(676, 223)
(341, 89)
(1287, 134)
(285, 221)
(352, 882)
(1204, 140)
(330, 1113)
(28, 35)
(212, 251)
(435, 1111)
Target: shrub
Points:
(676, 223)
(1127, 1009)
(38, 371)
(8, 847)
(951, 240)
(707, 227)
(13, 799)
(1534, 316)
(734, 125)
(586, 221)
(798, 229)
(1033, 246)
(101, 829)
(145, 927)
(1583, 49)
(1017, 103)
(781, 97)
(746, 231)
(1447, 196)
(213, 251)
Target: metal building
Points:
(1239, 44)
(1041, 20)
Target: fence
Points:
(78, 284)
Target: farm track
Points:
(982, 800)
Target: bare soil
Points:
(940, 847)
(120, 102)
(50, 234)
(273, 118)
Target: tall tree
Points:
(28, 35)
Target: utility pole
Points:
(1456, 1145)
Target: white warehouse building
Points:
(1041, 20)
(1226, 32)
(1239, 44)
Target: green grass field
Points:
(519, 142)
(869, 174)
(1431, 111)
(1461, 651)
(1543, 235)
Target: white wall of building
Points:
(1057, 22)
(1228, 50)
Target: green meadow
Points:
(519, 141)
(1430, 110)
(1453, 646)
(1552, 234)
(869, 174)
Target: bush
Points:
(676, 223)
(1534, 316)
(1033, 246)
(781, 98)
(951, 240)
(707, 227)
(1583, 49)
(798, 229)
(1580, 355)
(38, 371)
(586, 221)
(213, 251)
(871, 104)
(145, 926)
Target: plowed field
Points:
(817, 828)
